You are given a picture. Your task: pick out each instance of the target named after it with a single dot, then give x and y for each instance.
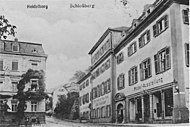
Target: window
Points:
(160, 26)
(102, 68)
(144, 39)
(133, 75)
(87, 97)
(87, 82)
(108, 111)
(33, 106)
(1, 105)
(99, 90)
(145, 69)
(34, 64)
(108, 85)
(34, 84)
(102, 87)
(15, 48)
(132, 48)
(187, 54)
(98, 112)
(186, 16)
(105, 87)
(162, 60)
(80, 87)
(1, 65)
(15, 65)
(168, 99)
(121, 81)
(120, 58)
(83, 85)
(14, 105)
(107, 64)
(14, 86)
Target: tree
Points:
(64, 105)
(6, 29)
(24, 96)
(78, 75)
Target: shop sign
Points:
(148, 84)
(101, 101)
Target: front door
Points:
(120, 113)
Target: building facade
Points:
(152, 79)
(15, 59)
(142, 76)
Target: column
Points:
(151, 107)
(142, 102)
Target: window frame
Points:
(13, 66)
(187, 54)
(34, 106)
(119, 78)
(185, 16)
(146, 35)
(142, 70)
(15, 45)
(130, 48)
(120, 57)
(157, 62)
(130, 75)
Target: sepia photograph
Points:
(94, 63)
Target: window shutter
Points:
(129, 77)
(129, 50)
(148, 35)
(156, 63)
(135, 47)
(140, 42)
(136, 77)
(123, 78)
(166, 23)
(141, 72)
(167, 58)
(155, 30)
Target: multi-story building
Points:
(143, 77)
(101, 74)
(152, 76)
(15, 59)
(85, 97)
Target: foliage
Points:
(6, 28)
(24, 96)
(78, 75)
(64, 105)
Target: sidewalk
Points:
(53, 120)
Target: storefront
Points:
(151, 106)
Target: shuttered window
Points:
(133, 78)
(144, 39)
(145, 69)
(186, 16)
(162, 60)
(132, 48)
(121, 81)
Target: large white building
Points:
(149, 68)
(15, 59)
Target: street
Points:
(53, 122)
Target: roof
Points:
(25, 48)
(84, 78)
(118, 29)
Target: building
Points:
(152, 75)
(15, 59)
(85, 97)
(140, 74)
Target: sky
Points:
(67, 34)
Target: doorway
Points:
(120, 116)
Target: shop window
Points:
(87, 82)
(133, 75)
(160, 26)
(120, 58)
(144, 39)
(132, 48)
(15, 66)
(121, 81)
(145, 69)
(168, 99)
(14, 105)
(33, 106)
(186, 16)
(98, 113)
(162, 60)
(187, 54)
(1, 65)
(103, 112)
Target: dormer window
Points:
(34, 51)
(15, 48)
(148, 11)
(34, 84)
